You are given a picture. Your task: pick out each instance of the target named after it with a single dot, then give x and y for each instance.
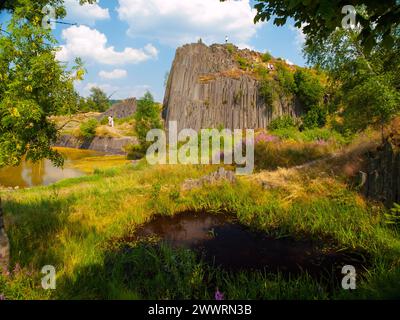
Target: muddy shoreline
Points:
(107, 145)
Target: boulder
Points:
(215, 177)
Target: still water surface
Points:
(29, 174)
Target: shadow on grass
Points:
(34, 229)
(153, 270)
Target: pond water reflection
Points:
(29, 174)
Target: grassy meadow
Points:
(79, 226)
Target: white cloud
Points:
(290, 63)
(245, 46)
(114, 74)
(117, 92)
(300, 36)
(151, 50)
(91, 45)
(176, 22)
(85, 14)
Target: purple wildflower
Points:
(2, 297)
(321, 142)
(219, 295)
(264, 137)
(17, 268)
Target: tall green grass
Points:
(73, 225)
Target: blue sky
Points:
(129, 45)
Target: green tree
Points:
(97, 101)
(33, 86)
(309, 88)
(319, 18)
(364, 87)
(12, 5)
(147, 117)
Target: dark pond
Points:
(222, 241)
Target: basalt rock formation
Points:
(381, 179)
(209, 87)
(121, 109)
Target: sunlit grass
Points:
(71, 225)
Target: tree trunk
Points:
(4, 243)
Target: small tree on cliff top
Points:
(147, 117)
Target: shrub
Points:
(286, 79)
(283, 122)
(88, 128)
(104, 121)
(309, 88)
(266, 57)
(266, 91)
(135, 152)
(315, 118)
(243, 63)
(230, 47)
(261, 71)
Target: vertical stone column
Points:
(4, 243)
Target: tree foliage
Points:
(364, 87)
(147, 117)
(309, 89)
(33, 86)
(319, 18)
(98, 101)
(58, 5)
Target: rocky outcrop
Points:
(381, 179)
(207, 88)
(107, 145)
(213, 178)
(121, 109)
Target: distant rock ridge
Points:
(121, 109)
(207, 88)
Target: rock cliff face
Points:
(381, 181)
(121, 110)
(208, 88)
